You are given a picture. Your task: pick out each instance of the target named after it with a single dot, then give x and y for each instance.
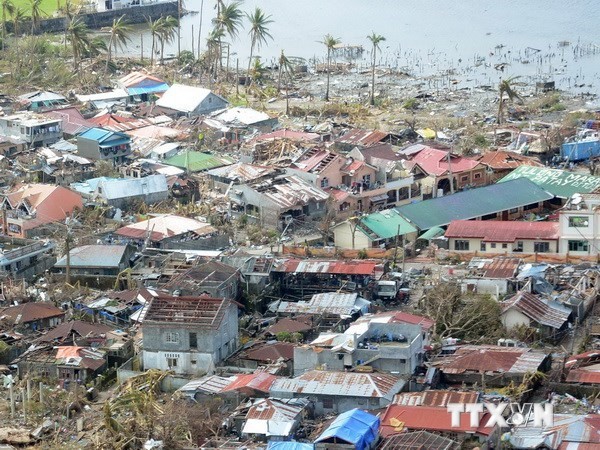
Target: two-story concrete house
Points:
(390, 347)
(34, 129)
(101, 144)
(188, 335)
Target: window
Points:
(327, 403)
(464, 178)
(578, 246)
(172, 338)
(482, 247)
(578, 222)
(461, 245)
(493, 245)
(541, 247)
(505, 245)
(530, 207)
(477, 176)
(519, 247)
(172, 362)
(367, 179)
(193, 340)
(324, 182)
(513, 210)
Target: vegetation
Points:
(506, 88)
(119, 37)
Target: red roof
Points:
(338, 195)
(331, 267)
(501, 231)
(73, 121)
(260, 381)
(435, 162)
(404, 317)
(583, 376)
(399, 418)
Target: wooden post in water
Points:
(193, 51)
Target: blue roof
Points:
(355, 427)
(100, 134)
(139, 90)
(289, 445)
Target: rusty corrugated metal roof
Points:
(439, 398)
(356, 267)
(547, 313)
(362, 137)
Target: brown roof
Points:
(30, 312)
(290, 326)
(76, 328)
(502, 231)
(500, 160)
(380, 151)
(502, 267)
(436, 398)
(204, 311)
(491, 358)
(418, 440)
(362, 137)
(271, 352)
(543, 312)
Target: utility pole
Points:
(178, 29)
(200, 27)
(396, 245)
(450, 173)
(68, 241)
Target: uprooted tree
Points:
(468, 317)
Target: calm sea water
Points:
(473, 39)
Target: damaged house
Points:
(188, 335)
(279, 201)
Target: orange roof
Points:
(502, 159)
(435, 162)
(400, 418)
(68, 352)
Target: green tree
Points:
(119, 36)
(229, 19)
(506, 88)
(36, 13)
(330, 42)
(375, 39)
(259, 33)
(7, 8)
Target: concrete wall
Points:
(513, 318)
(134, 14)
(343, 237)
(503, 247)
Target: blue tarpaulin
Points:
(289, 445)
(354, 427)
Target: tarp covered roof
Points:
(355, 427)
(289, 445)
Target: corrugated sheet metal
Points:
(362, 137)
(544, 312)
(316, 382)
(437, 398)
(109, 256)
(502, 231)
(502, 267)
(473, 203)
(331, 267)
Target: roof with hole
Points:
(204, 312)
(473, 203)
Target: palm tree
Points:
(166, 33)
(285, 66)
(375, 39)
(70, 10)
(506, 87)
(119, 36)
(259, 33)
(7, 8)
(229, 20)
(19, 16)
(330, 42)
(80, 40)
(36, 13)
(213, 42)
(154, 26)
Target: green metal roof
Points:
(385, 225)
(561, 183)
(473, 203)
(198, 161)
(432, 233)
